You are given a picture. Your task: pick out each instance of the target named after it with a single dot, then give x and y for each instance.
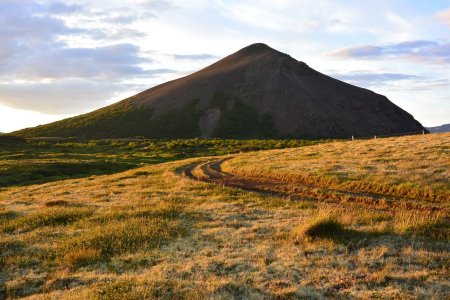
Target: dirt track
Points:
(211, 171)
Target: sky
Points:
(63, 58)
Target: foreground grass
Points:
(151, 234)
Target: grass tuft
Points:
(323, 226)
(81, 257)
(57, 203)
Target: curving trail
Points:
(211, 171)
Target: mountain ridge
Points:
(256, 92)
(441, 128)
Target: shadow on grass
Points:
(357, 239)
(332, 230)
(354, 239)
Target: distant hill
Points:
(442, 128)
(257, 92)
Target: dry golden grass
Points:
(81, 257)
(152, 234)
(415, 167)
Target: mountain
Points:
(442, 128)
(257, 92)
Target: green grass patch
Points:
(45, 160)
(6, 215)
(128, 236)
(46, 217)
(129, 289)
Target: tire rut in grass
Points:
(211, 171)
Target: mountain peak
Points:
(253, 54)
(258, 49)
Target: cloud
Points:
(430, 85)
(33, 45)
(158, 5)
(70, 96)
(297, 16)
(204, 56)
(444, 16)
(122, 19)
(30, 24)
(370, 79)
(420, 51)
(125, 33)
(110, 62)
(43, 69)
(62, 8)
(23, 28)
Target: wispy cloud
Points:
(155, 5)
(297, 16)
(420, 51)
(444, 16)
(430, 85)
(371, 79)
(204, 56)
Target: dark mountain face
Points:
(442, 128)
(257, 92)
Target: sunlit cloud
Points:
(204, 56)
(420, 51)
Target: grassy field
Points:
(415, 167)
(39, 161)
(150, 232)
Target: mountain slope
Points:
(255, 92)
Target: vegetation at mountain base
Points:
(11, 140)
(240, 122)
(44, 160)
